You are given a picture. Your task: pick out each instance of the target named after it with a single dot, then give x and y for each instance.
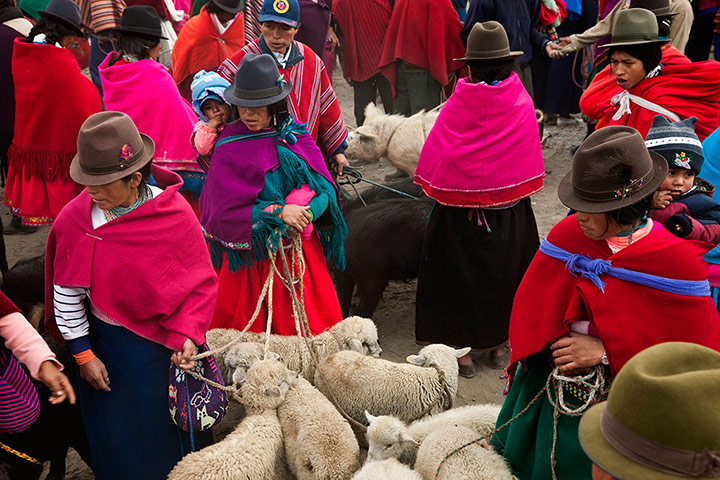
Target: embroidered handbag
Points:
(193, 404)
(19, 402)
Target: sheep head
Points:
(388, 437)
(266, 384)
(358, 334)
(239, 358)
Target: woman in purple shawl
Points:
(268, 182)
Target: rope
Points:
(24, 456)
(357, 175)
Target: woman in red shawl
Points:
(52, 99)
(644, 79)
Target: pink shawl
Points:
(146, 92)
(484, 149)
(148, 270)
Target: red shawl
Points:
(312, 98)
(629, 317)
(200, 47)
(52, 100)
(687, 89)
(425, 33)
(148, 270)
(363, 24)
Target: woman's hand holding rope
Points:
(576, 353)
(183, 358)
(296, 217)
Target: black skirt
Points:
(471, 265)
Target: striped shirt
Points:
(101, 15)
(70, 314)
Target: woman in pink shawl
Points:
(136, 84)
(481, 162)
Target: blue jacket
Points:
(519, 18)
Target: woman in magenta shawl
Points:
(268, 182)
(481, 162)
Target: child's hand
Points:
(215, 121)
(296, 217)
(661, 199)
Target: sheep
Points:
(254, 450)
(484, 463)
(360, 383)
(353, 333)
(319, 443)
(400, 139)
(389, 437)
(389, 469)
(238, 359)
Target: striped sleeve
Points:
(69, 306)
(105, 14)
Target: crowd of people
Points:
(190, 178)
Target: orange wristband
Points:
(84, 357)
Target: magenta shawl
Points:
(148, 270)
(146, 92)
(484, 149)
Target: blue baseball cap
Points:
(286, 12)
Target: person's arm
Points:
(539, 41)
(681, 23)
(684, 226)
(203, 138)
(603, 28)
(663, 208)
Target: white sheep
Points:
(389, 469)
(353, 333)
(254, 450)
(389, 437)
(484, 463)
(319, 443)
(359, 383)
(399, 139)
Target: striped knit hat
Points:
(677, 142)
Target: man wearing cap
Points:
(661, 420)
(206, 40)
(312, 99)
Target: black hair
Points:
(145, 171)
(648, 53)
(489, 72)
(664, 23)
(136, 45)
(212, 7)
(632, 214)
(54, 31)
(279, 112)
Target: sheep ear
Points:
(462, 352)
(238, 375)
(371, 111)
(405, 437)
(355, 345)
(367, 132)
(274, 356)
(418, 360)
(273, 391)
(292, 378)
(370, 418)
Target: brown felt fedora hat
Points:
(488, 42)
(635, 26)
(109, 147)
(611, 169)
(662, 417)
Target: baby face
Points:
(678, 181)
(215, 109)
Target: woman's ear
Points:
(135, 179)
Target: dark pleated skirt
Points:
(130, 431)
(468, 276)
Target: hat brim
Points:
(64, 21)
(146, 32)
(277, 19)
(606, 457)
(571, 200)
(511, 55)
(256, 102)
(637, 42)
(237, 9)
(83, 178)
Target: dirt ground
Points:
(395, 314)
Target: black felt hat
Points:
(141, 20)
(65, 12)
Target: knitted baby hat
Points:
(207, 85)
(677, 142)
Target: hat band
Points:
(622, 192)
(673, 461)
(632, 37)
(656, 142)
(118, 167)
(488, 53)
(258, 94)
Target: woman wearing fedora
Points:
(133, 73)
(644, 80)
(312, 99)
(206, 40)
(268, 182)
(481, 162)
(606, 284)
(52, 99)
(128, 273)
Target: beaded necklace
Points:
(116, 212)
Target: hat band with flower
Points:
(127, 160)
(625, 191)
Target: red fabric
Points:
(312, 98)
(425, 33)
(629, 317)
(687, 89)
(6, 306)
(200, 47)
(239, 293)
(363, 24)
(547, 16)
(148, 270)
(53, 99)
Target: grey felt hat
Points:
(257, 82)
(635, 26)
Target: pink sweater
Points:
(25, 343)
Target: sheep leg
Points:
(345, 286)
(370, 294)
